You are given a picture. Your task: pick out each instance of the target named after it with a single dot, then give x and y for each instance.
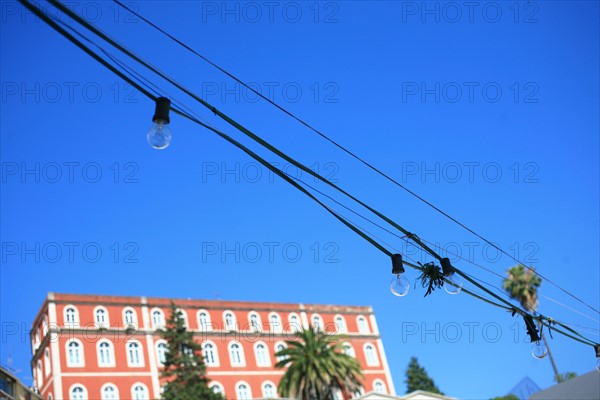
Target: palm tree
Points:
(317, 367)
(522, 284)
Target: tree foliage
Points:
(522, 284)
(317, 367)
(418, 379)
(184, 366)
(507, 397)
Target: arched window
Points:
(317, 322)
(278, 347)
(275, 322)
(211, 357)
(216, 387)
(101, 317)
(47, 367)
(109, 392)
(139, 392)
(262, 355)
(371, 355)
(50, 397)
(295, 324)
(78, 392)
(348, 350)
(45, 326)
(254, 320)
(340, 324)
(243, 391)
(161, 352)
(229, 319)
(158, 318)
(204, 321)
(106, 356)
(379, 386)
(363, 327)
(268, 390)
(74, 353)
(134, 354)
(39, 375)
(71, 316)
(130, 318)
(236, 355)
(183, 315)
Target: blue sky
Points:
(490, 113)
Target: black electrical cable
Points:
(344, 149)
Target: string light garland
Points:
(344, 149)
(432, 275)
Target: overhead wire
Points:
(347, 151)
(508, 305)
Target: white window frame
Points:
(71, 324)
(266, 362)
(144, 388)
(254, 327)
(264, 391)
(75, 386)
(184, 315)
(106, 386)
(111, 354)
(242, 362)
(39, 375)
(362, 327)
(275, 327)
(134, 323)
(237, 390)
(321, 325)
(158, 343)
(351, 351)
(215, 353)
(383, 386)
(374, 360)
(294, 326)
(101, 324)
(47, 364)
(344, 327)
(226, 326)
(45, 326)
(140, 353)
(160, 324)
(214, 384)
(80, 352)
(275, 349)
(208, 326)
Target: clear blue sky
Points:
(491, 113)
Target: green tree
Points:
(418, 379)
(184, 366)
(522, 284)
(316, 367)
(507, 397)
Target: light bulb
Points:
(399, 285)
(539, 350)
(454, 284)
(159, 135)
(598, 364)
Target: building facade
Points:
(11, 388)
(88, 347)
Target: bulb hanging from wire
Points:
(399, 286)
(455, 283)
(159, 136)
(539, 349)
(597, 348)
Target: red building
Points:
(88, 347)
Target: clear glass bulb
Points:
(598, 364)
(159, 135)
(399, 285)
(455, 284)
(539, 349)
